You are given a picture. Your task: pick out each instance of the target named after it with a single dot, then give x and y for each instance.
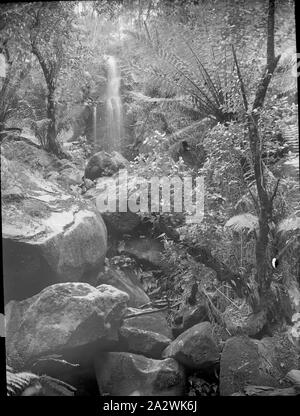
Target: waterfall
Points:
(113, 106)
(95, 123)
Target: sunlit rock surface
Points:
(61, 317)
(104, 164)
(126, 281)
(142, 341)
(49, 234)
(195, 348)
(154, 322)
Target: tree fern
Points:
(291, 223)
(243, 222)
(179, 66)
(291, 135)
(285, 76)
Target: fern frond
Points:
(28, 384)
(291, 135)
(285, 75)
(141, 97)
(242, 222)
(291, 223)
(18, 382)
(207, 82)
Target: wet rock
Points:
(195, 348)
(125, 374)
(126, 281)
(104, 164)
(62, 317)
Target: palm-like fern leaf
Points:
(208, 81)
(28, 384)
(291, 223)
(243, 222)
(291, 135)
(17, 383)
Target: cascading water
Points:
(95, 123)
(113, 106)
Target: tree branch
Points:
(271, 60)
(34, 48)
(243, 90)
(275, 190)
(133, 315)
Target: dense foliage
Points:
(191, 70)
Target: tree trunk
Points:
(265, 201)
(52, 144)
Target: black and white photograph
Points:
(150, 201)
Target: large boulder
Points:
(67, 176)
(188, 316)
(142, 341)
(241, 321)
(126, 281)
(27, 153)
(147, 334)
(104, 164)
(49, 236)
(111, 193)
(138, 341)
(246, 361)
(66, 246)
(119, 223)
(113, 196)
(125, 374)
(62, 317)
(146, 251)
(155, 322)
(195, 348)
